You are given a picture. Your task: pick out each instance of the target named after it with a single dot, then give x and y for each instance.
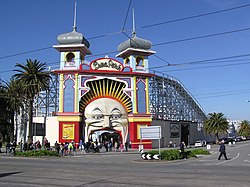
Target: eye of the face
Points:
(116, 116)
(97, 114)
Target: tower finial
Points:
(74, 26)
(133, 31)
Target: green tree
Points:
(34, 79)
(5, 130)
(216, 124)
(244, 128)
(14, 99)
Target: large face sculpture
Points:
(106, 113)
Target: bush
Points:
(200, 152)
(171, 154)
(37, 153)
(174, 154)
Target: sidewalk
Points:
(213, 148)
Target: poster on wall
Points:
(174, 130)
(68, 131)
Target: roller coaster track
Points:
(169, 100)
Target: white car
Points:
(200, 143)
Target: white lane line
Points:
(228, 160)
(205, 160)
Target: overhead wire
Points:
(163, 43)
(207, 67)
(196, 16)
(223, 94)
(146, 26)
(112, 52)
(126, 17)
(213, 60)
(204, 36)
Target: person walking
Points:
(126, 146)
(1, 144)
(57, 147)
(222, 150)
(7, 149)
(80, 145)
(182, 150)
(14, 147)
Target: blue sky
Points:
(218, 85)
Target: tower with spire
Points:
(135, 52)
(73, 48)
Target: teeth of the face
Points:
(125, 134)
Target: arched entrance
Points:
(105, 135)
(106, 106)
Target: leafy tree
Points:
(244, 128)
(14, 99)
(5, 130)
(216, 124)
(34, 79)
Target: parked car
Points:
(200, 143)
(235, 138)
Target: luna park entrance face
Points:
(108, 117)
(105, 135)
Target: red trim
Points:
(98, 72)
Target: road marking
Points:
(228, 160)
(205, 160)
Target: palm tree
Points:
(34, 79)
(216, 124)
(244, 129)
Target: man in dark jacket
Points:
(222, 150)
(1, 144)
(183, 154)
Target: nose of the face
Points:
(106, 121)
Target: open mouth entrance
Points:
(105, 135)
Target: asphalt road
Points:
(127, 169)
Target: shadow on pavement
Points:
(7, 174)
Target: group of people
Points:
(95, 146)
(10, 147)
(34, 145)
(67, 148)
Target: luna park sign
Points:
(106, 64)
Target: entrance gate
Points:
(104, 93)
